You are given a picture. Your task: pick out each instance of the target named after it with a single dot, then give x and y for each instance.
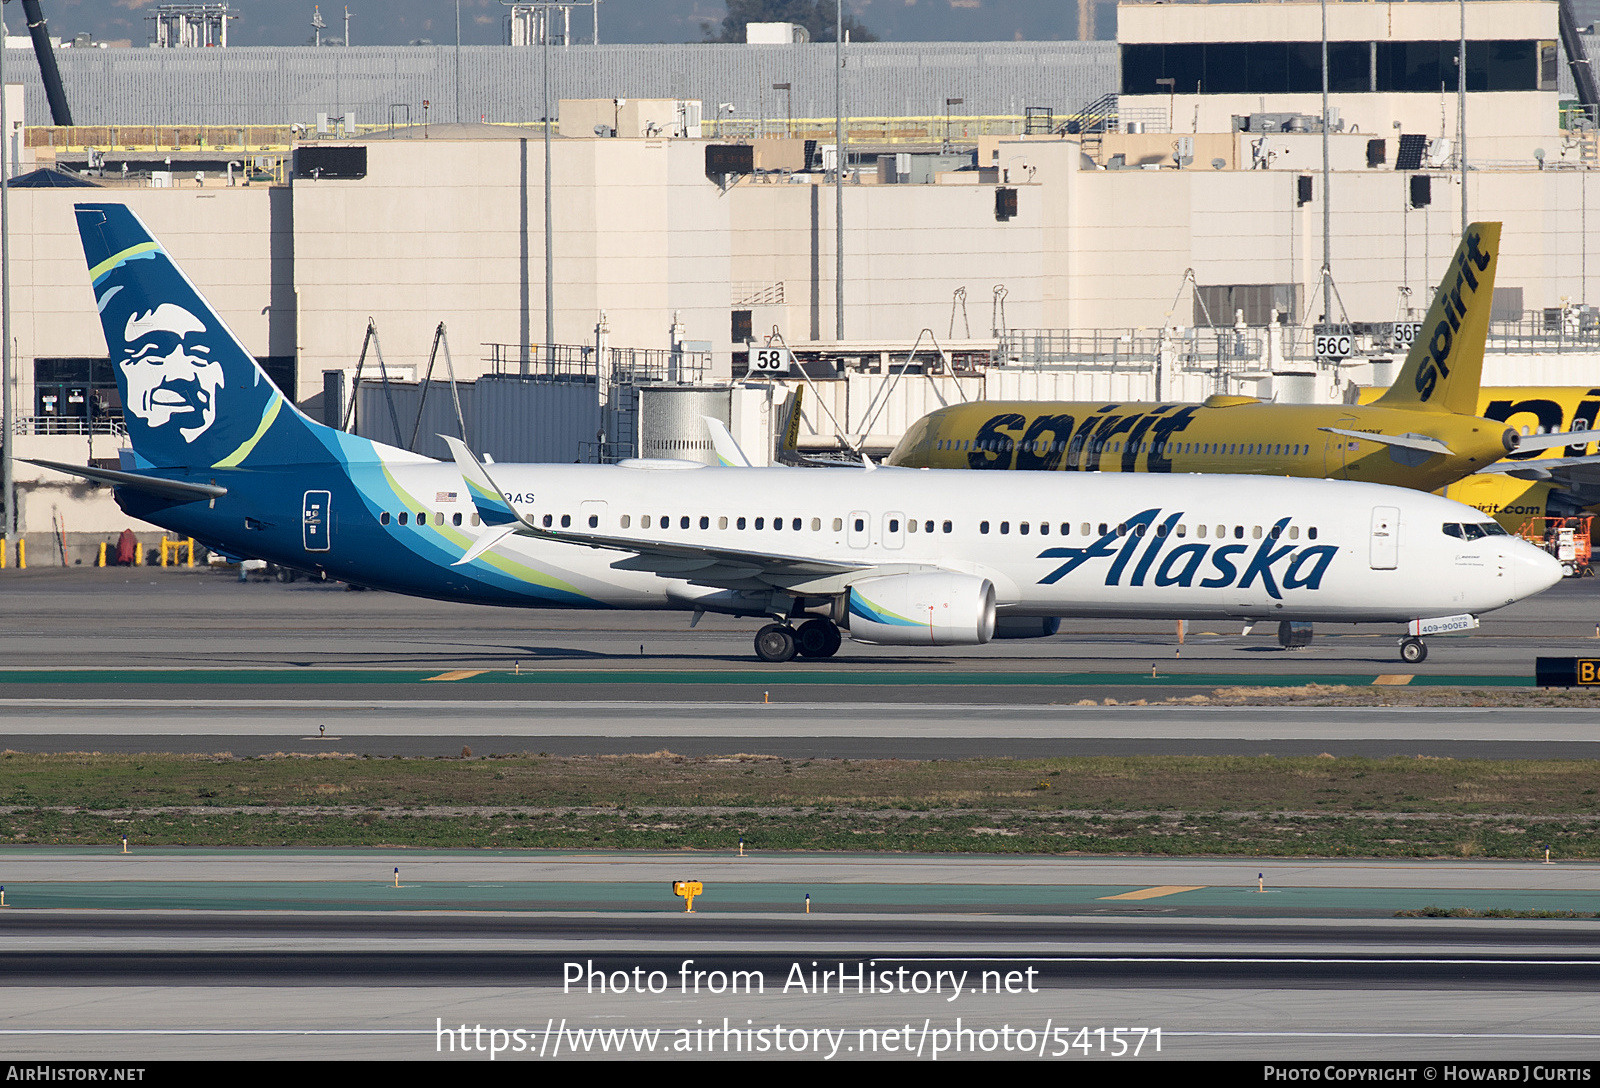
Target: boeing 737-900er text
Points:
(1423, 432)
(895, 557)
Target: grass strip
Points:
(1301, 807)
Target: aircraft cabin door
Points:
(1334, 450)
(315, 520)
(1385, 537)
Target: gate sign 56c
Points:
(1333, 346)
(769, 360)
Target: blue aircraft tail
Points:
(192, 396)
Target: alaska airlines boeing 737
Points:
(896, 557)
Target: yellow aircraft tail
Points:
(791, 433)
(1445, 364)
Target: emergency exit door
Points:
(1385, 537)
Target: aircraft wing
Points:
(1409, 441)
(702, 564)
(1568, 471)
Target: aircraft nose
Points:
(1533, 570)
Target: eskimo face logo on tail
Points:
(168, 371)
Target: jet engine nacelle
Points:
(922, 610)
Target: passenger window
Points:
(1022, 528)
(1238, 532)
(383, 518)
(405, 518)
(548, 521)
(594, 521)
(949, 527)
(739, 524)
(795, 525)
(861, 524)
(911, 526)
(626, 521)
(705, 522)
(438, 517)
(644, 521)
(1276, 532)
(894, 525)
(1066, 528)
(1200, 531)
(1122, 529)
(1162, 530)
(1294, 532)
(422, 517)
(1044, 528)
(722, 523)
(777, 523)
(1005, 528)
(761, 523)
(816, 525)
(983, 526)
(1312, 533)
(838, 525)
(927, 526)
(476, 520)
(455, 519)
(566, 521)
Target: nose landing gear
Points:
(1413, 651)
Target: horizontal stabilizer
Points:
(485, 541)
(154, 485)
(1549, 441)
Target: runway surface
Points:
(119, 660)
(1322, 970)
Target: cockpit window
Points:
(1493, 528)
(1473, 532)
(1452, 529)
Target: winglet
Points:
(486, 496)
(729, 455)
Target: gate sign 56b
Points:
(1333, 346)
(769, 360)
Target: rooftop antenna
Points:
(347, 26)
(316, 22)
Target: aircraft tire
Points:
(818, 638)
(775, 643)
(1413, 651)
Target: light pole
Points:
(788, 108)
(947, 104)
(838, 168)
(8, 438)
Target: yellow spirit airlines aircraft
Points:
(1557, 472)
(1421, 433)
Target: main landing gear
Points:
(778, 642)
(1413, 651)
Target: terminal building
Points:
(1133, 219)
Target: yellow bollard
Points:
(101, 561)
(190, 564)
(397, 876)
(741, 846)
(808, 902)
(22, 554)
(163, 552)
(2, 895)
(124, 844)
(3, 567)
(687, 890)
(138, 553)
(1261, 882)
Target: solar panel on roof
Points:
(1412, 148)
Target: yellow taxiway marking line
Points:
(459, 674)
(1156, 893)
(1395, 679)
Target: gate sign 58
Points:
(1333, 346)
(769, 360)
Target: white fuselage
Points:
(1052, 544)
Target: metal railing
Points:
(1228, 350)
(1557, 329)
(543, 362)
(70, 425)
(866, 130)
